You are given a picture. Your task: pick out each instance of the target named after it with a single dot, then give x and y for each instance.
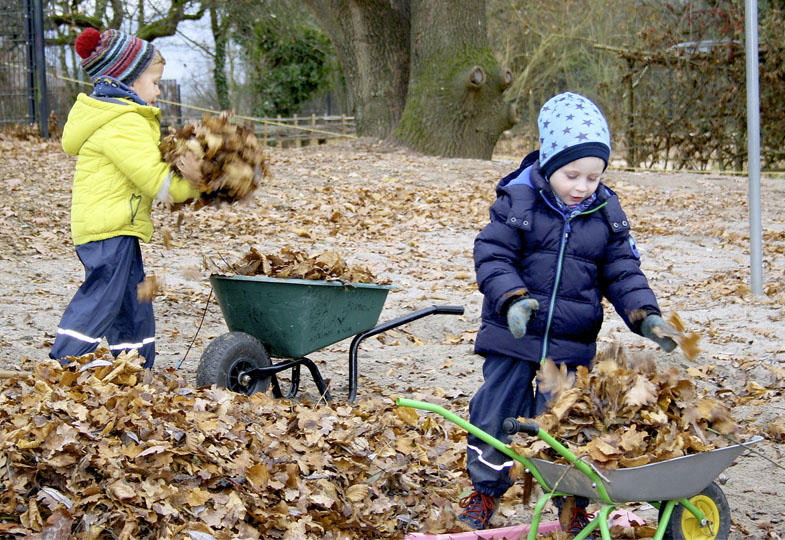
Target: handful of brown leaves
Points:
(326, 266)
(234, 162)
(624, 413)
(677, 331)
(148, 289)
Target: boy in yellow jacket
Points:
(114, 133)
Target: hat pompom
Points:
(87, 41)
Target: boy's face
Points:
(147, 83)
(577, 180)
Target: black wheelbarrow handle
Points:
(389, 325)
(511, 426)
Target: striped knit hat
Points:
(571, 127)
(114, 53)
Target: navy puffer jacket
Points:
(567, 265)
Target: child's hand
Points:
(190, 167)
(518, 315)
(656, 329)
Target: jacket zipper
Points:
(565, 236)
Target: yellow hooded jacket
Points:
(119, 170)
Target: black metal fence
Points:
(169, 103)
(36, 89)
(23, 89)
(32, 89)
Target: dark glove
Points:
(518, 315)
(659, 331)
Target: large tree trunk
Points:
(220, 30)
(371, 39)
(421, 71)
(454, 105)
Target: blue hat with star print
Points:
(571, 127)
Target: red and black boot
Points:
(478, 510)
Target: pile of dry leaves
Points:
(105, 449)
(625, 413)
(234, 162)
(325, 266)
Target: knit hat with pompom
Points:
(114, 53)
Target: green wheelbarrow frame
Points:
(290, 318)
(663, 484)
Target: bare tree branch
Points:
(167, 25)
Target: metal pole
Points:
(753, 146)
(178, 107)
(29, 39)
(42, 97)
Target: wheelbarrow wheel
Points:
(684, 526)
(227, 361)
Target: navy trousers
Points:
(507, 390)
(106, 303)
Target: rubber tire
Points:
(227, 357)
(710, 500)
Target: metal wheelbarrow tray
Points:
(675, 478)
(691, 505)
(290, 318)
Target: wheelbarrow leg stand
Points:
(536, 515)
(600, 521)
(294, 365)
(389, 325)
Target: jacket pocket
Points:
(135, 201)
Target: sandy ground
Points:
(412, 220)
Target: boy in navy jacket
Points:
(557, 243)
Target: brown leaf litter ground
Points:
(411, 219)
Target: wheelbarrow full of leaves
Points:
(691, 504)
(289, 319)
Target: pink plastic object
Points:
(620, 517)
(625, 518)
(518, 532)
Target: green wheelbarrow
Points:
(691, 505)
(290, 318)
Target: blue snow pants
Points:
(507, 391)
(106, 303)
